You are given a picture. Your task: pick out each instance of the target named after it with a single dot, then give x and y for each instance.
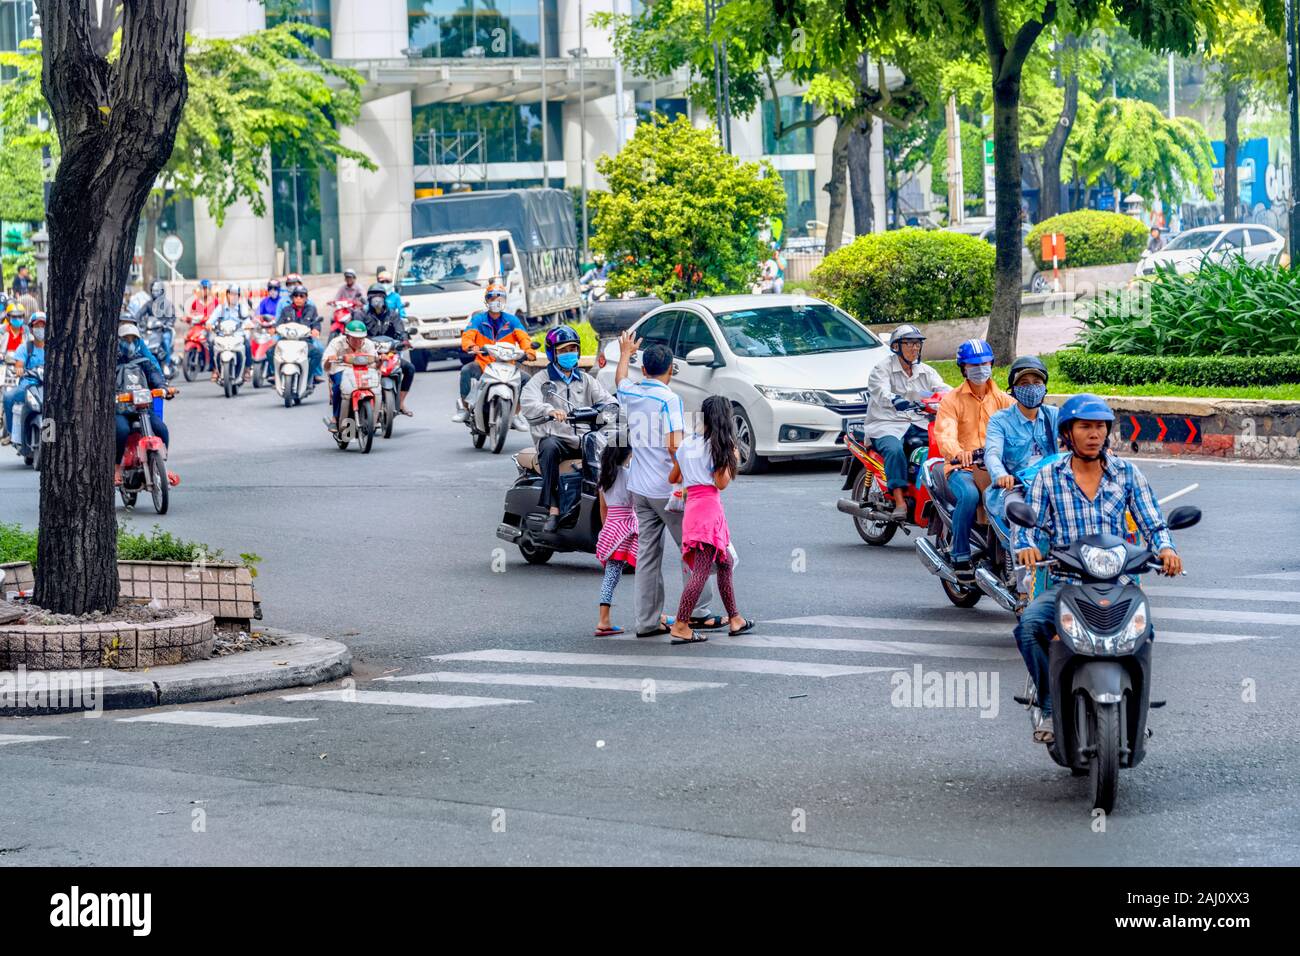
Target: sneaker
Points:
(965, 575)
(462, 415)
(552, 522)
(519, 423)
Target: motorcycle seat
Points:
(529, 461)
(939, 484)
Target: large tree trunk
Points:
(864, 210)
(837, 188)
(1049, 195)
(117, 125)
(1231, 143)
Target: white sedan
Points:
(794, 368)
(1220, 243)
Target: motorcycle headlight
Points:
(1079, 637)
(808, 396)
(1103, 562)
(1133, 631)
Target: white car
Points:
(1190, 249)
(794, 368)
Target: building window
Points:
(507, 132)
(793, 110)
(489, 28)
(314, 12)
(305, 204)
(670, 107)
(800, 200)
(15, 22)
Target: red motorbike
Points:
(342, 313)
(263, 343)
(358, 384)
(864, 473)
(198, 357)
(144, 462)
(390, 375)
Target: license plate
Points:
(851, 423)
(141, 397)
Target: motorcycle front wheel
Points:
(192, 365)
(228, 379)
(1104, 736)
(33, 441)
(290, 385)
(365, 426)
(501, 408)
(389, 414)
(158, 485)
(259, 375)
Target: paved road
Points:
(528, 740)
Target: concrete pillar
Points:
(374, 208)
(243, 247)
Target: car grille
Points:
(852, 401)
(1104, 619)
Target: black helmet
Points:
(1026, 363)
(376, 288)
(298, 290)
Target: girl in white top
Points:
(616, 545)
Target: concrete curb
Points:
(302, 661)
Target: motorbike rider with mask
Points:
(159, 309)
(303, 312)
(1087, 492)
(234, 308)
(1020, 435)
(132, 351)
(379, 320)
(13, 330)
(353, 341)
(30, 356)
(959, 430)
(489, 327)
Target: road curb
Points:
(301, 661)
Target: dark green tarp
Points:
(537, 218)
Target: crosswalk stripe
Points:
(635, 684)
(694, 661)
(1227, 594)
(1229, 616)
(24, 739)
(1277, 576)
(1197, 637)
(208, 718)
(902, 648)
(891, 624)
(391, 698)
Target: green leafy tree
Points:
(682, 218)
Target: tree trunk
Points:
(117, 125)
(1004, 321)
(859, 161)
(836, 188)
(1231, 143)
(1049, 194)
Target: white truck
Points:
(524, 238)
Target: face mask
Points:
(567, 360)
(1030, 396)
(38, 334)
(123, 350)
(494, 306)
(17, 323)
(979, 374)
(376, 303)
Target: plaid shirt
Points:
(1065, 513)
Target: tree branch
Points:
(1026, 36)
(82, 75)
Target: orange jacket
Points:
(482, 330)
(962, 419)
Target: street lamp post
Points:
(1293, 97)
(541, 43)
(581, 54)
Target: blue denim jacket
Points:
(1012, 441)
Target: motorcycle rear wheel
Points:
(159, 487)
(501, 409)
(867, 489)
(962, 597)
(534, 553)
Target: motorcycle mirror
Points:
(1183, 517)
(549, 389)
(1021, 514)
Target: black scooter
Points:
(579, 525)
(27, 425)
(1099, 668)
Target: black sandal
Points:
(693, 639)
(747, 626)
(664, 624)
(713, 623)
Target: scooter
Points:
(1099, 664)
(144, 461)
(293, 382)
(342, 313)
(228, 344)
(495, 395)
(27, 420)
(358, 383)
(864, 474)
(936, 555)
(154, 342)
(390, 379)
(579, 525)
(263, 344)
(198, 357)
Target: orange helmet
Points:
(493, 290)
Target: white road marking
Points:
(1194, 637)
(1226, 594)
(905, 648)
(634, 684)
(683, 658)
(1229, 617)
(1277, 576)
(209, 718)
(893, 624)
(432, 701)
(22, 739)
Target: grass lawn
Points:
(1059, 383)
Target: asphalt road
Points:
(747, 755)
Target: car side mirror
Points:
(702, 356)
(1019, 513)
(508, 262)
(1183, 517)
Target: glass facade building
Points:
(313, 12)
(15, 22)
(488, 28)
(793, 110)
(508, 132)
(305, 203)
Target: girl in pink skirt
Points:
(705, 464)
(616, 545)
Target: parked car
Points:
(1191, 248)
(983, 227)
(794, 368)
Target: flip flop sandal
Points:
(407, 412)
(693, 639)
(608, 631)
(716, 622)
(658, 632)
(747, 626)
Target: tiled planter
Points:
(223, 590)
(122, 645)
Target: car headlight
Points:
(808, 396)
(1136, 627)
(1103, 563)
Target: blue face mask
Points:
(1030, 396)
(16, 322)
(567, 360)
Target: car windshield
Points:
(793, 330)
(436, 266)
(1193, 240)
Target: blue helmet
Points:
(1083, 408)
(561, 335)
(974, 352)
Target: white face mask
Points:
(38, 334)
(979, 374)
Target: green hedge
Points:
(1210, 371)
(1092, 238)
(19, 544)
(909, 275)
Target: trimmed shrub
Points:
(1092, 238)
(909, 275)
(1207, 371)
(18, 544)
(1237, 309)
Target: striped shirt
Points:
(1065, 513)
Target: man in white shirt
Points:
(656, 424)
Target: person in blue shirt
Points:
(272, 302)
(30, 356)
(395, 304)
(132, 351)
(1018, 436)
(1086, 492)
